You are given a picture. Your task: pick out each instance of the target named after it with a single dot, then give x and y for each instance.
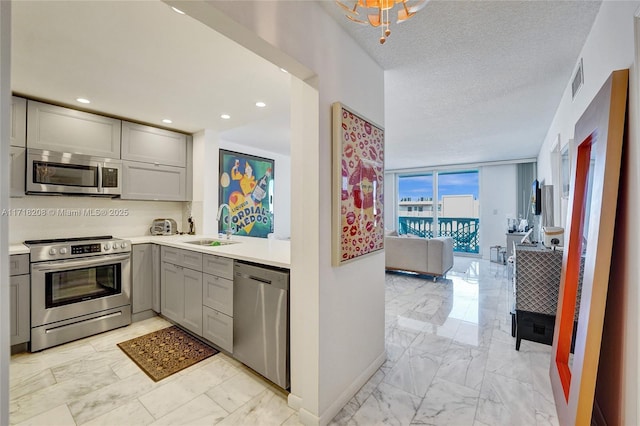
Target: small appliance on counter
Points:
(163, 227)
(553, 236)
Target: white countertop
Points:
(259, 250)
(18, 249)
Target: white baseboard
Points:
(294, 401)
(309, 419)
(350, 392)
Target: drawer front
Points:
(191, 260)
(171, 255)
(218, 328)
(219, 266)
(19, 264)
(217, 293)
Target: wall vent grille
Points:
(578, 80)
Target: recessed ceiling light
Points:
(83, 100)
(225, 116)
(166, 120)
(261, 104)
(175, 9)
(284, 71)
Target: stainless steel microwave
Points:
(50, 172)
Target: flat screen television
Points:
(536, 198)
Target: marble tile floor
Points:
(92, 382)
(450, 360)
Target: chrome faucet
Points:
(222, 206)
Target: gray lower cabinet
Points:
(145, 278)
(218, 294)
(182, 287)
(218, 328)
(155, 253)
(145, 181)
(20, 303)
(217, 300)
(197, 293)
(192, 282)
(172, 292)
(18, 164)
(63, 129)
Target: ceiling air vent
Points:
(578, 80)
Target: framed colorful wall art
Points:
(246, 187)
(358, 177)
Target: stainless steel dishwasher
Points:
(261, 320)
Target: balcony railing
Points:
(463, 230)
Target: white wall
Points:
(498, 199)
(610, 46)
(390, 201)
(281, 185)
(337, 314)
(5, 102)
(124, 218)
(204, 206)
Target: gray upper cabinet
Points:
(155, 165)
(151, 145)
(18, 121)
(144, 181)
(67, 130)
(18, 173)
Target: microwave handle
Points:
(100, 189)
(87, 262)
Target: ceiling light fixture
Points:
(225, 116)
(284, 71)
(167, 121)
(261, 104)
(175, 9)
(378, 12)
(83, 100)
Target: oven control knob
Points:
(53, 252)
(63, 250)
(107, 246)
(123, 245)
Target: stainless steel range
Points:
(79, 287)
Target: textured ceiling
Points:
(465, 81)
(473, 81)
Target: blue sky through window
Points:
(450, 183)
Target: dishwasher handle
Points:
(259, 275)
(251, 277)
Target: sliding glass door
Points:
(443, 203)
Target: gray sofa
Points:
(433, 256)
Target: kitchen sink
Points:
(212, 242)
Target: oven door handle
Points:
(62, 265)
